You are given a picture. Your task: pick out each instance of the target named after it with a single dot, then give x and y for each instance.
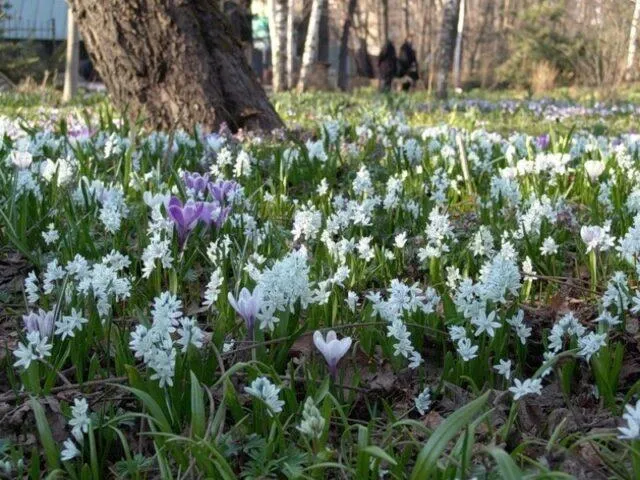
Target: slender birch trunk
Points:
(457, 56)
(278, 34)
(291, 44)
(633, 38)
(310, 54)
(73, 54)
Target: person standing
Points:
(387, 66)
(408, 64)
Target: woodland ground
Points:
(422, 262)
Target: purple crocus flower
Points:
(247, 306)
(222, 190)
(196, 182)
(214, 213)
(331, 348)
(41, 322)
(184, 216)
(542, 142)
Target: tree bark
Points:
(310, 54)
(291, 44)
(278, 33)
(385, 21)
(457, 55)
(447, 45)
(343, 79)
(73, 59)
(323, 34)
(175, 62)
(633, 38)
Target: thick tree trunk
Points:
(278, 33)
(343, 79)
(310, 54)
(291, 44)
(633, 38)
(447, 44)
(73, 57)
(175, 62)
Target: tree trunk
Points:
(175, 62)
(291, 44)
(310, 54)
(633, 38)
(407, 30)
(447, 45)
(278, 33)
(457, 55)
(385, 21)
(323, 34)
(73, 54)
(343, 79)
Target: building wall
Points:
(35, 19)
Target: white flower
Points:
(190, 334)
(485, 323)
(212, 291)
(549, 247)
(68, 324)
(80, 419)
(69, 451)
(596, 238)
(331, 348)
(608, 320)
(466, 349)
(323, 187)
(503, 368)
(312, 424)
(36, 348)
(594, 169)
(423, 401)
(307, 222)
(527, 269)
(21, 159)
(262, 389)
(400, 240)
(352, 300)
(529, 386)
(25, 355)
(31, 288)
(51, 235)
(590, 343)
(632, 416)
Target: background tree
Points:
(310, 54)
(278, 13)
(447, 44)
(177, 63)
(71, 73)
(343, 58)
(633, 38)
(291, 44)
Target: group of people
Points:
(403, 66)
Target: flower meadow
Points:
(362, 299)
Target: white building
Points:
(35, 20)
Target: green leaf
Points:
(197, 408)
(506, 466)
(378, 452)
(427, 460)
(154, 409)
(46, 438)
